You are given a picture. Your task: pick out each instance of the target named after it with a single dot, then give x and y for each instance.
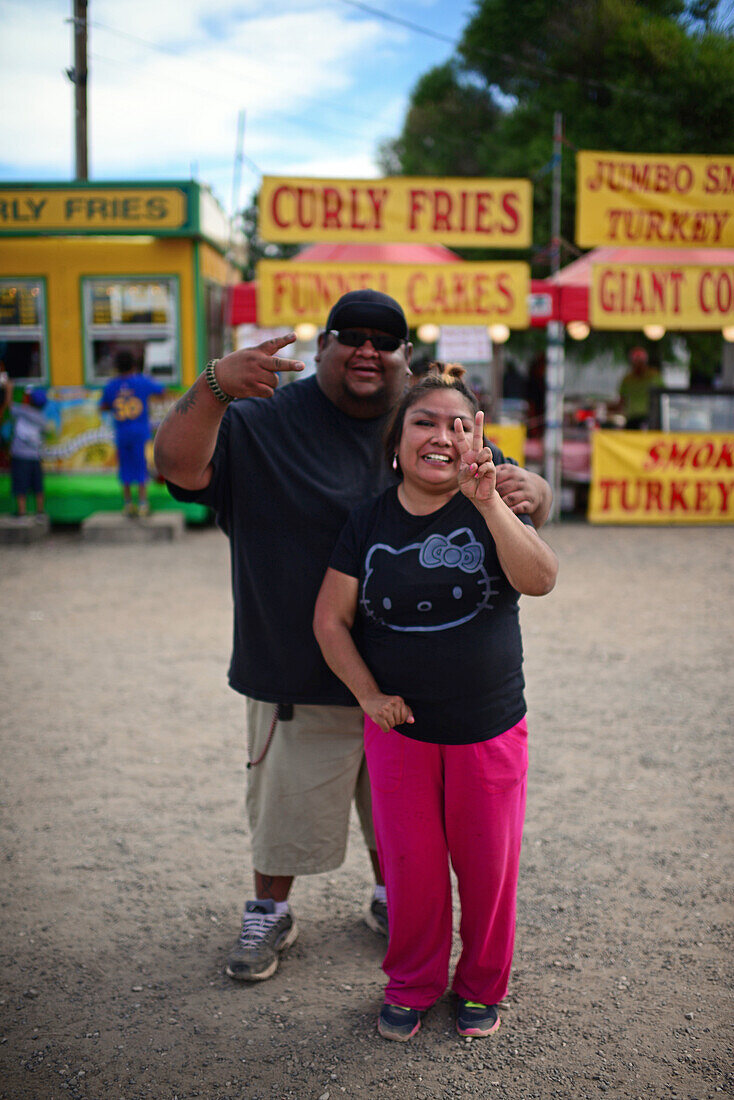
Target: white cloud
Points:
(321, 85)
(334, 167)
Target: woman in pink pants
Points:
(418, 615)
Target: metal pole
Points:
(78, 76)
(554, 371)
(498, 370)
(238, 157)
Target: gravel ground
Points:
(126, 858)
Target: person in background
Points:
(636, 387)
(26, 444)
(514, 382)
(126, 397)
(419, 366)
(418, 616)
(282, 469)
(535, 393)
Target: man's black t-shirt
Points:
(437, 618)
(287, 472)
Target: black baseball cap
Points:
(368, 309)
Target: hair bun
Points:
(447, 372)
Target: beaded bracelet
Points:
(214, 386)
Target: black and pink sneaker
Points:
(473, 1018)
(398, 1023)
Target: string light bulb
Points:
(428, 334)
(498, 334)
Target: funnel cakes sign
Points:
(450, 294)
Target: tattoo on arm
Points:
(185, 402)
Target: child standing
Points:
(126, 396)
(26, 472)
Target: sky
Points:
(321, 84)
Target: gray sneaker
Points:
(376, 917)
(264, 935)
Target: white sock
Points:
(380, 894)
(281, 907)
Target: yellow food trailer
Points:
(87, 269)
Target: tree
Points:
(627, 75)
(257, 248)
(448, 121)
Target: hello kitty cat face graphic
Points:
(430, 585)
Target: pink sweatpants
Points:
(432, 803)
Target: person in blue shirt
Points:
(126, 397)
(26, 445)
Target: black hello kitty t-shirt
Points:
(437, 619)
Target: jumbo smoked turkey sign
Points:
(651, 201)
(662, 478)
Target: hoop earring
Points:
(395, 461)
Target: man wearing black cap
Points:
(282, 475)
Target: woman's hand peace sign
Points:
(477, 474)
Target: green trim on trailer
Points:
(199, 325)
(71, 498)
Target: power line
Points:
(332, 105)
(506, 59)
(401, 22)
(206, 91)
(183, 84)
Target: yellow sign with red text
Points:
(678, 296)
(510, 438)
(662, 478)
(449, 294)
(654, 201)
(495, 213)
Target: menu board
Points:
(20, 306)
(119, 302)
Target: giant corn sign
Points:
(494, 213)
(444, 294)
(654, 201)
(662, 478)
(682, 296)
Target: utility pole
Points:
(498, 373)
(78, 77)
(238, 158)
(554, 370)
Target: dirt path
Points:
(125, 857)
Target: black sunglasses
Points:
(355, 338)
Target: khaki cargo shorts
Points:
(299, 797)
